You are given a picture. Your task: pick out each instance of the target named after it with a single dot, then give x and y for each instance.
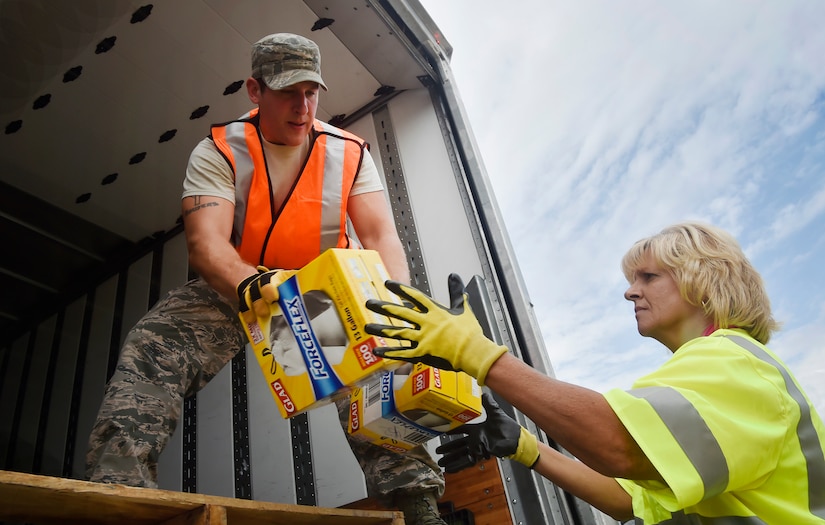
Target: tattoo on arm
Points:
(199, 205)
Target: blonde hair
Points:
(712, 272)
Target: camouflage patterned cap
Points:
(284, 59)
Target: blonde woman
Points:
(721, 433)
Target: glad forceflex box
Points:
(320, 351)
(401, 409)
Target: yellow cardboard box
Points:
(320, 351)
(399, 411)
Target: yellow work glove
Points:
(447, 338)
(258, 302)
(499, 435)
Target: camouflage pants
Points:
(173, 352)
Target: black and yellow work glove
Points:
(258, 302)
(499, 435)
(446, 338)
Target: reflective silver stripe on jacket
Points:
(693, 435)
(333, 192)
(244, 166)
(805, 431)
(696, 440)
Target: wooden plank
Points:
(312, 516)
(490, 511)
(204, 515)
(46, 500)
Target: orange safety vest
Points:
(313, 217)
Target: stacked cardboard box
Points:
(320, 351)
(402, 409)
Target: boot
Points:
(419, 509)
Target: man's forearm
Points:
(396, 263)
(222, 268)
(393, 256)
(208, 224)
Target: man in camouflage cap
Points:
(237, 176)
(284, 59)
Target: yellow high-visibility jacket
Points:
(732, 433)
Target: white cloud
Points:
(794, 216)
(601, 122)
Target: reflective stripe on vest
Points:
(314, 216)
(805, 431)
(692, 433)
(700, 446)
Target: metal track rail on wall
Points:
(302, 460)
(189, 468)
(240, 427)
(400, 198)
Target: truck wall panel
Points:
(139, 278)
(10, 391)
(338, 476)
(175, 268)
(94, 370)
(216, 475)
(174, 272)
(34, 383)
(58, 421)
(443, 226)
(270, 447)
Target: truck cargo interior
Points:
(102, 102)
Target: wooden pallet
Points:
(46, 500)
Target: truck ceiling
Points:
(102, 102)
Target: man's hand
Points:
(258, 302)
(499, 435)
(261, 286)
(447, 338)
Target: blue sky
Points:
(601, 122)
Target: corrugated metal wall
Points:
(53, 377)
